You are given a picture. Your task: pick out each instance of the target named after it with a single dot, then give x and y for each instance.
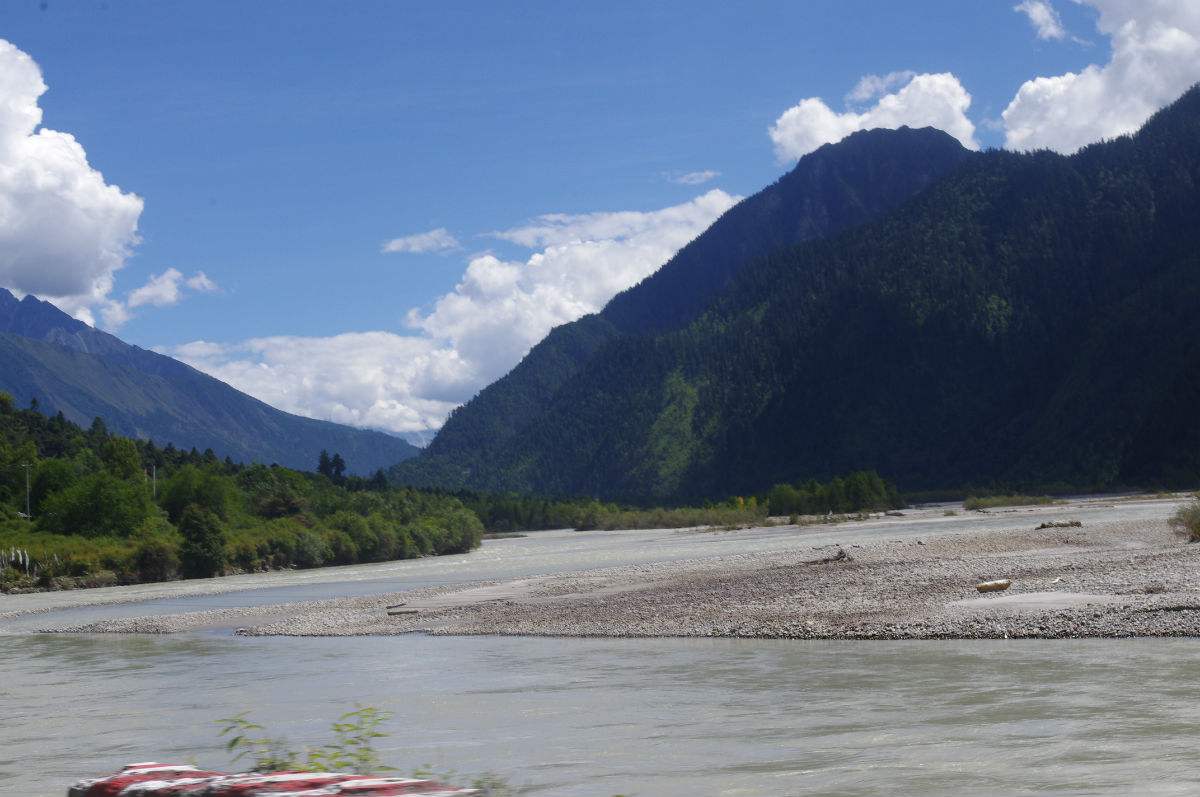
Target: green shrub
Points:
(309, 549)
(342, 550)
(460, 530)
(1186, 521)
(203, 551)
(858, 492)
(97, 505)
(352, 748)
(191, 486)
(273, 492)
(156, 559)
(992, 501)
(121, 457)
(52, 476)
(360, 534)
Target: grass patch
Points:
(679, 518)
(1186, 521)
(993, 501)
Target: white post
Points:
(28, 513)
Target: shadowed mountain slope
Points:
(836, 187)
(72, 368)
(1029, 321)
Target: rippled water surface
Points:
(604, 717)
(635, 717)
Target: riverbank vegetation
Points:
(1186, 520)
(87, 508)
(993, 501)
(864, 491)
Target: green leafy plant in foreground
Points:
(269, 754)
(353, 748)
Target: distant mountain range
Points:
(947, 318)
(84, 373)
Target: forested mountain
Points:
(69, 367)
(1028, 320)
(836, 187)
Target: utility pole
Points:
(27, 466)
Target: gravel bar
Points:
(1102, 579)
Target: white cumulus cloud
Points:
(160, 290)
(64, 231)
(381, 380)
(1043, 17)
(439, 240)
(927, 100)
(408, 383)
(501, 308)
(1155, 58)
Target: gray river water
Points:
(633, 717)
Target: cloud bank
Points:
(472, 335)
(64, 231)
(929, 100)
(1155, 58)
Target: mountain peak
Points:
(838, 186)
(1026, 322)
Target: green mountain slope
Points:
(834, 188)
(72, 368)
(1028, 320)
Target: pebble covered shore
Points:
(1100, 579)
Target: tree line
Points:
(84, 506)
(862, 491)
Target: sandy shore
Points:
(1105, 578)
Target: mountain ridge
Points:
(836, 187)
(1023, 321)
(83, 372)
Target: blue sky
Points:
(277, 146)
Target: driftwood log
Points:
(840, 556)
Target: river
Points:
(598, 717)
